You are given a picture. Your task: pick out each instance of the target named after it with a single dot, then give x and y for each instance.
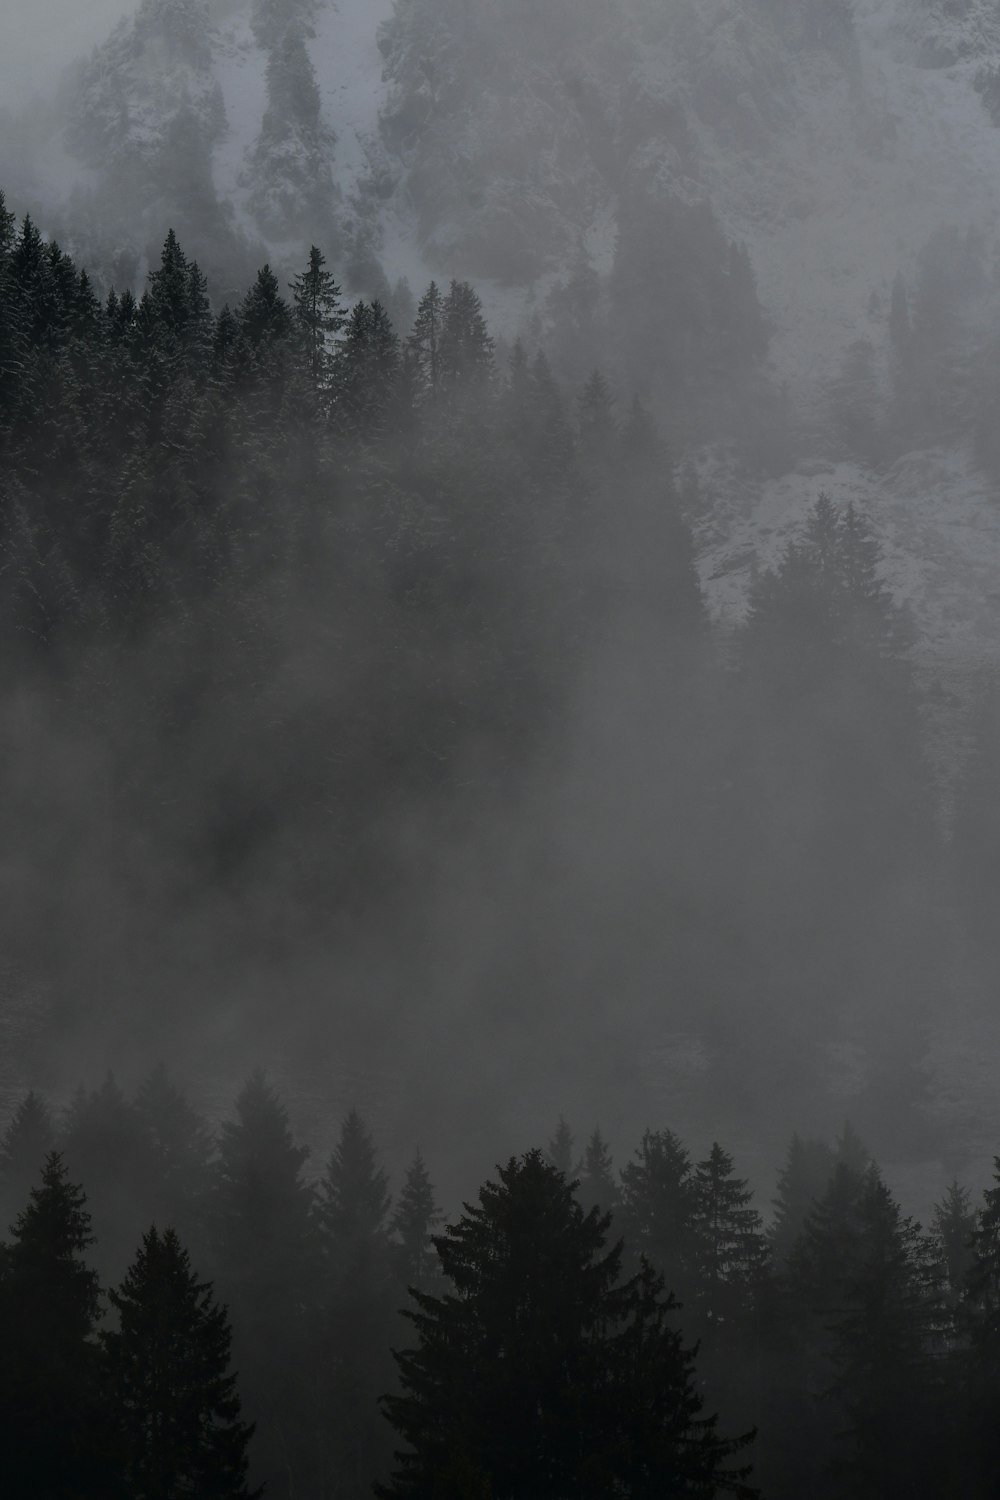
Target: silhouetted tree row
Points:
(578, 1328)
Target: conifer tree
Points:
(265, 317)
(177, 1149)
(366, 371)
(802, 1181)
(100, 1139)
(264, 1264)
(24, 1146)
(167, 1367)
(732, 1250)
(561, 1151)
(424, 344)
(412, 1226)
(357, 1297)
(598, 1187)
(954, 1225)
(465, 348)
(53, 1432)
(540, 1373)
(658, 1210)
(320, 315)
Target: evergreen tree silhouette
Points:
(24, 1146)
(54, 1433)
(414, 1219)
(539, 1373)
(264, 1265)
(167, 1368)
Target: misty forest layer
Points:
(498, 616)
(576, 1330)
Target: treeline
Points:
(856, 1350)
(282, 585)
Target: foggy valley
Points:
(500, 587)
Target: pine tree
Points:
(177, 1149)
(424, 344)
(366, 371)
(732, 1250)
(167, 1368)
(101, 1141)
(412, 1226)
(24, 1146)
(802, 1181)
(53, 1433)
(465, 349)
(265, 317)
(540, 1373)
(658, 1208)
(561, 1149)
(359, 1305)
(885, 1351)
(598, 1187)
(316, 298)
(264, 1262)
(954, 1225)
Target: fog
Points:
(38, 40)
(550, 675)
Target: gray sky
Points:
(39, 37)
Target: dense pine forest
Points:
(576, 1329)
(336, 648)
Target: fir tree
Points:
(167, 1367)
(320, 315)
(412, 1226)
(100, 1139)
(366, 371)
(265, 316)
(658, 1208)
(802, 1181)
(561, 1149)
(598, 1187)
(540, 1373)
(424, 344)
(24, 1146)
(177, 1149)
(465, 349)
(954, 1224)
(353, 1217)
(53, 1432)
(264, 1259)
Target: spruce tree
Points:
(359, 1305)
(367, 367)
(465, 348)
(598, 1187)
(802, 1181)
(53, 1427)
(264, 1266)
(167, 1366)
(24, 1146)
(102, 1144)
(540, 1373)
(320, 315)
(414, 1219)
(177, 1149)
(561, 1149)
(658, 1211)
(954, 1224)
(424, 344)
(265, 317)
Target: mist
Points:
(38, 41)
(498, 538)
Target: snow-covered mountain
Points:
(591, 165)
